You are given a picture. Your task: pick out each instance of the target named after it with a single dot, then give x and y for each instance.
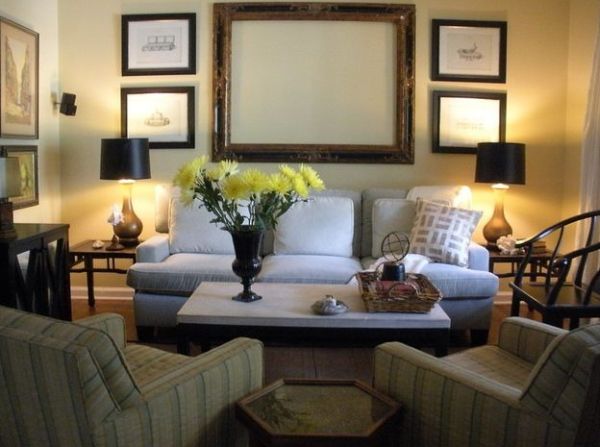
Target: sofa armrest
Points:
(525, 338)
(193, 404)
(155, 249)
(479, 257)
(112, 324)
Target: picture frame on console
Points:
(28, 164)
(164, 115)
(462, 119)
(19, 81)
(468, 50)
(158, 44)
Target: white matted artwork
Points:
(463, 119)
(164, 115)
(18, 81)
(464, 50)
(158, 44)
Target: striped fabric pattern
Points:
(494, 363)
(102, 348)
(443, 233)
(446, 404)
(527, 339)
(54, 390)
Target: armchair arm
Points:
(525, 338)
(112, 324)
(193, 404)
(154, 249)
(445, 405)
(479, 257)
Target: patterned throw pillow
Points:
(443, 233)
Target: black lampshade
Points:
(124, 158)
(500, 163)
(67, 104)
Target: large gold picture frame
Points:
(399, 72)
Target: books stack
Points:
(538, 247)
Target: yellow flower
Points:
(287, 171)
(311, 177)
(279, 183)
(229, 167)
(235, 188)
(186, 175)
(186, 197)
(300, 186)
(255, 180)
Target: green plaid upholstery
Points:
(458, 401)
(61, 384)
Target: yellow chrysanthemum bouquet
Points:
(250, 200)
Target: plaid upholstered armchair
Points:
(540, 386)
(79, 384)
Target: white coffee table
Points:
(284, 315)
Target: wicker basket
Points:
(414, 295)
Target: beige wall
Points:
(42, 17)
(546, 77)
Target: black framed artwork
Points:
(468, 50)
(28, 166)
(158, 44)
(19, 81)
(462, 119)
(164, 115)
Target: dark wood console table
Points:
(45, 288)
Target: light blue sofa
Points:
(328, 242)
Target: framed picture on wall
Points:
(19, 72)
(462, 119)
(28, 164)
(164, 115)
(468, 50)
(158, 44)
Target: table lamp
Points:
(125, 160)
(501, 164)
(10, 186)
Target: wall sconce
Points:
(501, 164)
(125, 160)
(10, 186)
(67, 104)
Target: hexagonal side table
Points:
(317, 413)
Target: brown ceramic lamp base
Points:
(498, 225)
(129, 230)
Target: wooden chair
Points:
(562, 293)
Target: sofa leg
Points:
(479, 337)
(145, 333)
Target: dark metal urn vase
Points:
(247, 264)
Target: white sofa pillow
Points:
(190, 230)
(390, 215)
(321, 226)
(451, 195)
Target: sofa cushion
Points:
(308, 269)
(180, 273)
(454, 281)
(390, 215)
(451, 195)
(443, 233)
(322, 226)
(369, 196)
(190, 230)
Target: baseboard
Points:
(102, 293)
(503, 297)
